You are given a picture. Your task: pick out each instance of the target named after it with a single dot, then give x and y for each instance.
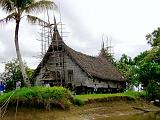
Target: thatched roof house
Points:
(62, 65)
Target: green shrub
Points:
(45, 97)
(78, 102)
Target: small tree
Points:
(104, 52)
(124, 65)
(13, 74)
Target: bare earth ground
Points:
(92, 111)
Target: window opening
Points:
(70, 75)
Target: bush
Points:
(152, 91)
(43, 97)
(78, 102)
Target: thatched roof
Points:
(95, 67)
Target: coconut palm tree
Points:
(18, 9)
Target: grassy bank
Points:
(41, 97)
(89, 98)
(51, 97)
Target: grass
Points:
(129, 95)
(39, 97)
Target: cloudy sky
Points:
(125, 22)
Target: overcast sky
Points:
(125, 22)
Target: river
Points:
(142, 116)
(54, 115)
(117, 110)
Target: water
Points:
(68, 115)
(143, 116)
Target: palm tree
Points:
(18, 9)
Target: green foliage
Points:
(13, 74)
(134, 76)
(152, 90)
(105, 53)
(146, 67)
(139, 59)
(124, 66)
(40, 96)
(154, 38)
(125, 59)
(149, 71)
(78, 102)
(153, 55)
(135, 95)
(27, 6)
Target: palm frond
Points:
(8, 18)
(7, 5)
(34, 20)
(40, 6)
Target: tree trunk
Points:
(19, 54)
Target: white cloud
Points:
(126, 22)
